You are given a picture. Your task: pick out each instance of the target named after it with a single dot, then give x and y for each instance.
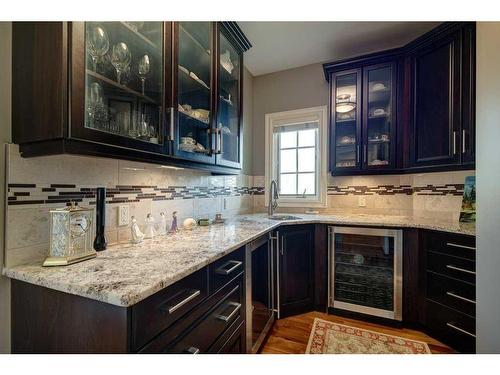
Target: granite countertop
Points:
(126, 274)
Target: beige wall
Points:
(488, 192)
(5, 118)
(281, 91)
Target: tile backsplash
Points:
(38, 185)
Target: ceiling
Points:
(285, 45)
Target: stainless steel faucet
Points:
(273, 198)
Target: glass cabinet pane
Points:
(194, 91)
(124, 79)
(379, 116)
(229, 100)
(346, 121)
(364, 270)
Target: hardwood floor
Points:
(290, 335)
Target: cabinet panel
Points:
(436, 119)
(345, 120)
(193, 91)
(379, 116)
(296, 257)
(468, 144)
(118, 83)
(230, 76)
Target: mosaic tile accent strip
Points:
(448, 189)
(25, 194)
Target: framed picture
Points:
(468, 212)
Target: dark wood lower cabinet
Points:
(296, 270)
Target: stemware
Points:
(143, 67)
(120, 58)
(97, 44)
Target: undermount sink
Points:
(283, 217)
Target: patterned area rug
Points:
(332, 338)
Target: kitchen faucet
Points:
(273, 198)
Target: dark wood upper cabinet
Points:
(296, 264)
(363, 114)
(427, 117)
(144, 91)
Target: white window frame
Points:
(305, 115)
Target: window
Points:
(296, 156)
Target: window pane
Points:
(288, 139)
(306, 182)
(307, 137)
(288, 161)
(288, 184)
(307, 159)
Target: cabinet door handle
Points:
(463, 141)
(171, 129)
(223, 270)
(192, 350)
(451, 294)
(454, 143)
(451, 325)
(365, 156)
(460, 246)
(237, 307)
(192, 295)
(221, 146)
(357, 154)
(452, 267)
(277, 274)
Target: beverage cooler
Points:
(365, 271)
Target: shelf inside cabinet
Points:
(346, 121)
(116, 85)
(194, 120)
(139, 35)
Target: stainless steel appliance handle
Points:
(223, 271)
(460, 246)
(278, 274)
(451, 325)
(237, 307)
(193, 295)
(451, 294)
(452, 267)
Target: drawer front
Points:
(458, 268)
(164, 308)
(225, 313)
(452, 327)
(453, 293)
(225, 269)
(232, 342)
(461, 246)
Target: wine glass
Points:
(120, 58)
(97, 44)
(144, 66)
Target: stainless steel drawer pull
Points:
(451, 294)
(237, 307)
(192, 350)
(451, 267)
(460, 246)
(193, 295)
(451, 325)
(223, 270)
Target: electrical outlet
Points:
(123, 215)
(362, 201)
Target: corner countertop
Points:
(125, 274)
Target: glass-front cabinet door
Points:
(346, 120)
(120, 84)
(229, 102)
(193, 85)
(379, 117)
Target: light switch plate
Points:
(362, 201)
(123, 215)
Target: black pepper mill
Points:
(100, 241)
